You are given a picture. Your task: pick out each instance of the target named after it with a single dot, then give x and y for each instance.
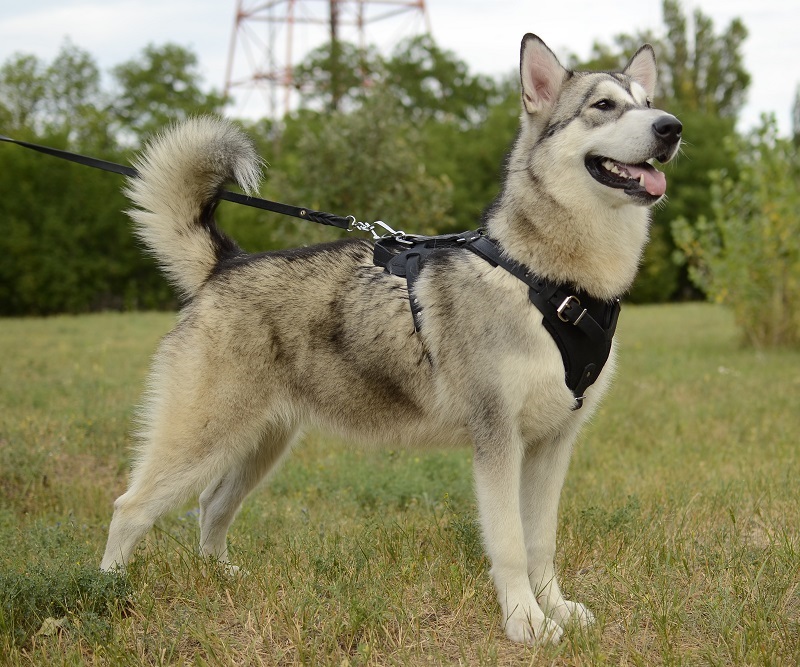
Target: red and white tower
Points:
(270, 36)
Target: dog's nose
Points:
(668, 128)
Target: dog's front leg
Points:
(544, 468)
(498, 463)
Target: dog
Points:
(268, 344)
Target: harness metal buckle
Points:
(566, 305)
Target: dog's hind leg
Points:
(221, 500)
(192, 438)
(543, 471)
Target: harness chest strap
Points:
(581, 326)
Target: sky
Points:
(486, 34)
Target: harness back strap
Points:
(581, 326)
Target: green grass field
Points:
(680, 521)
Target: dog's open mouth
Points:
(638, 180)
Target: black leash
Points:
(349, 223)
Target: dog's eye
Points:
(649, 103)
(604, 105)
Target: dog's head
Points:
(597, 129)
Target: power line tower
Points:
(269, 34)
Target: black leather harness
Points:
(582, 326)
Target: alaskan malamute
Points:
(271, 343)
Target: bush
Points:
(61, 594)
(747, 254)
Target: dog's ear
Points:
(642, 69)
(540, 73)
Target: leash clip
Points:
(356, 225)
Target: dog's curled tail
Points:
(180, 175)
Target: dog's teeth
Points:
(641, 180)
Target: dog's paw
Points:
(530, 629)
(523, 631)
(568, 613)
(219, 566)
(234, 570)
(228, 570)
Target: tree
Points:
(365, 163)
(22, 92)
(747, 253)
(459, 124)
(66, 244)
(336, 76)
(74, 103)
(471, 157)
(62, 98)
(430, 82)
(427, 81)
(160, 87)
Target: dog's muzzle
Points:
(642, 182)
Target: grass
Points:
(679, 521)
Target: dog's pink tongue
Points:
(654, 180)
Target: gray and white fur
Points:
(272, 343)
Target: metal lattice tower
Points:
(267, 33)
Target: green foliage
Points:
(75, 103)
(471, 157)
(66, 246)
(458, 125)
(22, 91)
(689, 179)
(50, 582)
(703, 71)
(61, 98)
(365, 164)
(699, 70)
(430, 82)
(67, 595)
(426, 80)
(747, 254)
(160, 87)
(337, 76)
(658, 279)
